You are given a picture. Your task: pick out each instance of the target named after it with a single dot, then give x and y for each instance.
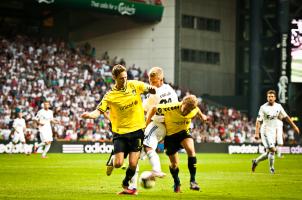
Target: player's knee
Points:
(174, 165)
(190, 152)
(147, 149)
(272, 150)
(118, 163)
(133, 164)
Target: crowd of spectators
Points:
(73, 80)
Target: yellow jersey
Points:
(174, 120)
(125, 107)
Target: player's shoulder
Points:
(108, 94)
(134, 82)
(41, 111)
(264, 105)
(278, 105)
(166, 86)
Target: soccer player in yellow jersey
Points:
(178, 118)
(127, 118)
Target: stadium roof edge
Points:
(137, 10)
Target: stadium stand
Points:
(74, 81)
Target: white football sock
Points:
(133, 181)
(279, 151)
(271, 157)
(154, 160)
(41, 144)
(262, 157)
(46, 149)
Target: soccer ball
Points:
(147, 180)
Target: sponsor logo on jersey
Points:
(134, 103)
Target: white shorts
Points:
(280, 135)
(18, 137)
(268, 140)
(154, 133)
(46, 136)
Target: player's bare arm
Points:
(39, 122)
(293, 125)
(202, 116)
(106, 115)
(257, 129)
(55, 121)
(150, 114)
(92, 115)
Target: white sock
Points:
(154, 160)
(271, 157)
(133, 181)
(279, 151)
(262, 157)
(41, 144)
(46, 149)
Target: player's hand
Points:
(152, 89)
(85, 115)
(205, 118)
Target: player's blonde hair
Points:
(190, 100)
(156, 72)
(117, 69)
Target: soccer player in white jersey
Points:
(156, 130)
(268, 115)
(44, 119)
(19, 127)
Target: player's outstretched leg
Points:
(125, 184)
(255, 162)
(109, 164)
(155, 163)
(36, 146)
(271, 157)
(46, 149)
(254, 165)
(192, 168)
(174, 173)
(133, 181)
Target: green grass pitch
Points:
(82, 176)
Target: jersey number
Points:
(164, 101)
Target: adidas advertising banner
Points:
(18, 148)
(60, 147)
(249, 149)
(100, 147)
(87, 148)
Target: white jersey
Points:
(44, 117)
(164, 94)
(156, 130)
(19, 125)
(270, 116)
